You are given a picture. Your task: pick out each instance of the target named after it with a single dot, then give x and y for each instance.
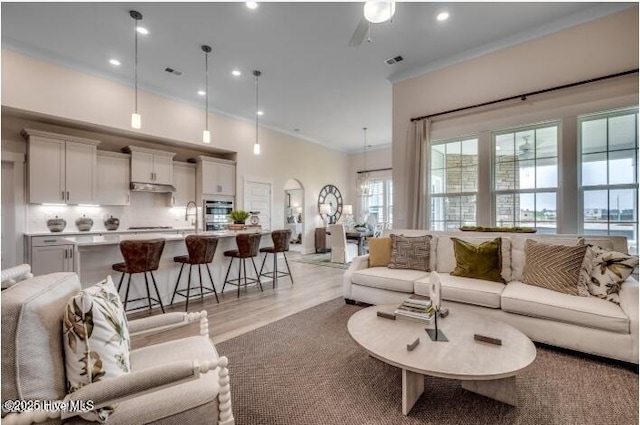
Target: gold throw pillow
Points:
(379, 252)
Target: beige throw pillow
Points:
(410, 252)
(379, 252)
(610, 269)
(555, 267)
(96, 340)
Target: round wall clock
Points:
(332, 196)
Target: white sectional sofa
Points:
(586, 324)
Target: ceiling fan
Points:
(375, 12)
(525, 150)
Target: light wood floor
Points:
(234, 316)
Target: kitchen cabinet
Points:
(62, 169)
(215, 176)
(113, 178)
(184, 180)
(51, 255)
(150, 165)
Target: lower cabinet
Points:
(50, 255)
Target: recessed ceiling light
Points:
(202, 92)
(252, 5)
(260, 113)
(442, 16)
(143, 30)
(114, 62)
(236, 73)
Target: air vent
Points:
(394, 60)
(173, 71)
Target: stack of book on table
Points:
(417, 308)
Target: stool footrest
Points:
(195, 291)
(278, 274)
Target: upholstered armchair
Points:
(179, 381)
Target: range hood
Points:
(152, 187)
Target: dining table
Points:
(360, 236)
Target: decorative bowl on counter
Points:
(84, 224)
(56, 224)
(112, 223)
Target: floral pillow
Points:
(96, 340)
(609, 270)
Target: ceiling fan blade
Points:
(360, 33)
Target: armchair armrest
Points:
(164, 322)
(359, 263)
(629, 305)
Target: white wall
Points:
(605, 46)
(104, 106)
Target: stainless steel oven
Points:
(216, 212)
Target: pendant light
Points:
(378, 11)
(136, 119)
(206, 135)
(256, 146)
(363, 176)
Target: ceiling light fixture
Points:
(136, 119)
(363, 176)
(252, 5)
(114, 62)
(442, 16)
(236, 73)
(261, 113)
(142, 30)
(206, 135)
(256, 146)
(202, 92)
(378, 11)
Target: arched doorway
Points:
(294, 212)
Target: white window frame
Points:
(387, 200)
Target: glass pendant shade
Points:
(206, 136)
(256, 148)
(136, 121)
(378, 11)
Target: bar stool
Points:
(140, 256)
(201, 251)
(281, 239)
(248, 245)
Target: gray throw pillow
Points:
(410, 252)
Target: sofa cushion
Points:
(482, 261)
(410, 252)
(32, 361)
(554, 267)
(518, 243)
(592, 312)
(608, 270)
(386, 278)
(379, 252)
(96, 340)
(465, 290)
(446, 260)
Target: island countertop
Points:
(114, 239)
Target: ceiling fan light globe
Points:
(378, 11)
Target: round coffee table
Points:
(483, 368)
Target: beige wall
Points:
(605, 46)
(93, 102)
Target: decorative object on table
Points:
(239, 216)
(386, 315)
(325, 212)
(498, 229)
(483, 338)
(330, 195)
(435, 295)
(56, 224)
(413, 345)
(443, 312)
(112, 223)
(417, 308)
(84, 223)
(235, 227)
(254, 219)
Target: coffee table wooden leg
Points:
(503, 390)
(412, 389)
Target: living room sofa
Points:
(587, 324)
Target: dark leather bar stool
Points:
(281, 239)
(201, 251)
(140, 256)
(248, 246)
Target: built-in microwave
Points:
(216, 213)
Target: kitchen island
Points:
(94, 256)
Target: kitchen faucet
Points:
(186, 213)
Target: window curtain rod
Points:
(525, 95)
(373, 171)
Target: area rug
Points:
(305, 369)
(320, 260)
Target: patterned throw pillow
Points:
(555, 267)
(610, 269)
(96, 340)
(410, 252)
